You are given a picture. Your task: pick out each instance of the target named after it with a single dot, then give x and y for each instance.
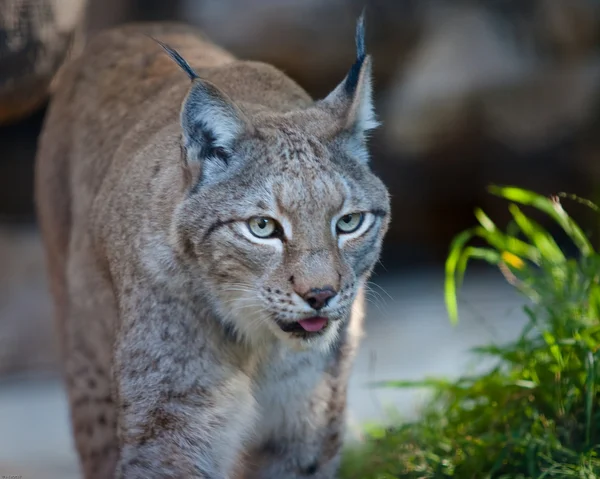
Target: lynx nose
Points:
(317, 298)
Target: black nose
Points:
(318, 298)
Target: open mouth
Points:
(315, 324)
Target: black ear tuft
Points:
(351, 102)
(177, 58)
(360, 36)
(353, 74)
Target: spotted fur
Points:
(170, 311)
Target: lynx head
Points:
(283, 215)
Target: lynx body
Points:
(208, 230)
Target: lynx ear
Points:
(352, 100)
(211, 124)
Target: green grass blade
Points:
(594, 302)
(470, 252)
(590, 394)
(485, 221)
(513, 245)
(423, 383)
(554, 348)
(582, 201)
(486, 254)
(450, 287)
(542, 240)
(551, 208)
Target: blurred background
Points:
(469, 93)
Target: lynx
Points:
(209, 229)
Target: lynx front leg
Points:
(87, 336)
(182, 412)
(308, 442)
(289, 459)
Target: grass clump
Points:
(536, 413)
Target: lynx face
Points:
(283, 215)
(287, 240)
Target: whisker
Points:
(375, 294)
(374, 298)
(376, 304)
(372, 283)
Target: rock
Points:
(502, 74)
(35, 39)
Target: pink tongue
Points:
(313, 324)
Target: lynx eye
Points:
(263, 227)
(349, 223)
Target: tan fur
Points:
(170, 312)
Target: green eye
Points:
(263, 227)
(350, 223)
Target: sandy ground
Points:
(407, 337)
